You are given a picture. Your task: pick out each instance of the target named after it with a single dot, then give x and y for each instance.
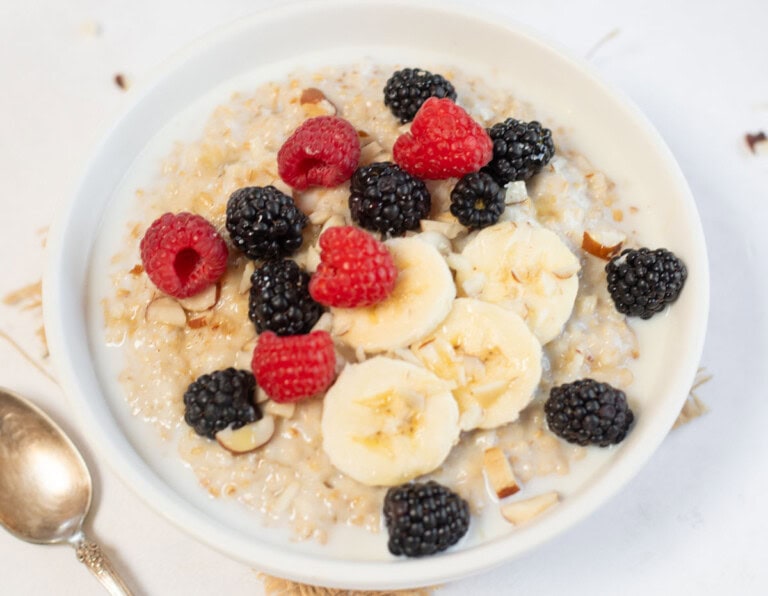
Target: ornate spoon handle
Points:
(92, 556)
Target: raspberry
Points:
(323, 151)
(183, 254)
(295, 367)
(355, 269)
(443, 142)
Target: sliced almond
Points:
(167, 311)
(334, 221)
(311, 95)
(201, 301)
(315, 103)
(370, 153)
(261, 396)
(197, 322)
(281, 186)
(245, 280)
(312, 259)
(603, 245)
(449, 229)
(274, 408)
(324, 323)
(319, 216)
(519, 512)
(499, 473)
(516, 192)
(248, 437)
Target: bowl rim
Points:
(305, 567)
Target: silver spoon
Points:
(45, 487)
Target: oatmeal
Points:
(546, 316)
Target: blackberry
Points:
(279, 300)
(220, 399)
(520, 150)
(264, 223)
(588, 413)
(407, 89)
(477, 200)
(383, 198)
(424, 519)
(642, 282)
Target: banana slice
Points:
(490, 356)
(526, 269)
(386, 421)
(421, 299)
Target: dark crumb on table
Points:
(754, 139)
(121, 82)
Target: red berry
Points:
(323, 151)
(443, 142)
(294, 367)
(183, 254)
(355, 269)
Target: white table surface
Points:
(695, 520)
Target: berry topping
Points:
(293, 368)
(477, 200)
(520, 150)
(407, 89)
(279, 300)
(323, 151)
(424, 519)
(383, 198)
(588, 413)
(264, 223)
(355, 269)
(183, 254)
(642, 282)
(221, 399)
(443, 142)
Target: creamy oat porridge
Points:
(498, 325)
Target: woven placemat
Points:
(275, 586)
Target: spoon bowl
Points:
(45, 486)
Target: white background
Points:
(694, 521)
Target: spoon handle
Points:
(92, 556)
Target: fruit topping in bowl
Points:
(219, 400)
(264, 223)
(407, 89)
(443, 142)
(588, 413)
(279, 299)
(424, 519)
(422, 298)
(384, 198)
(643, 282)
(323, 151)
(183, 254)
(355, 269)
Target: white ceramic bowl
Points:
(613, 134)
